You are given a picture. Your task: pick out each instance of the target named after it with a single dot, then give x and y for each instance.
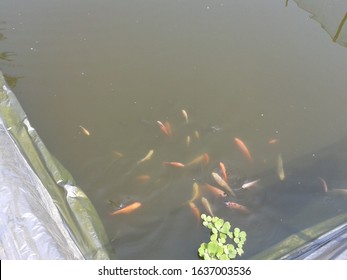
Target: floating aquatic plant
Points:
(218, 248)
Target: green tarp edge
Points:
(302, 238)
(74, 206)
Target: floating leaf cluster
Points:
(217, 248)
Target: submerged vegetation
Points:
(218, 248)
(6, 57)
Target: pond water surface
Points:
(259, 71)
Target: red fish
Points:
(242, 146)
(127, 209)
(174, 164)
(237, 207)
(163, 128)
(168, 128)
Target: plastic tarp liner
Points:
(44, 215)
(332, 245)
(325, 245)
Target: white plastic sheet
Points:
(43, 214)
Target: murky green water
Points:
(255, 70)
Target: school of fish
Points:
(203, 193)
(213, 191)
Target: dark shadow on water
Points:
(300, 201)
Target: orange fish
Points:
(163, 128)
(273, 141)
(127, 209)
(224, 171)
(217, 192)
(222, 183)
(168, 128)
(142, 178)
(202, 159)
(242, 146)
(174, 164)
(195, 210)
(237, 207)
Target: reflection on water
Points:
(6, 56)
(106, 85)
(331, 14)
